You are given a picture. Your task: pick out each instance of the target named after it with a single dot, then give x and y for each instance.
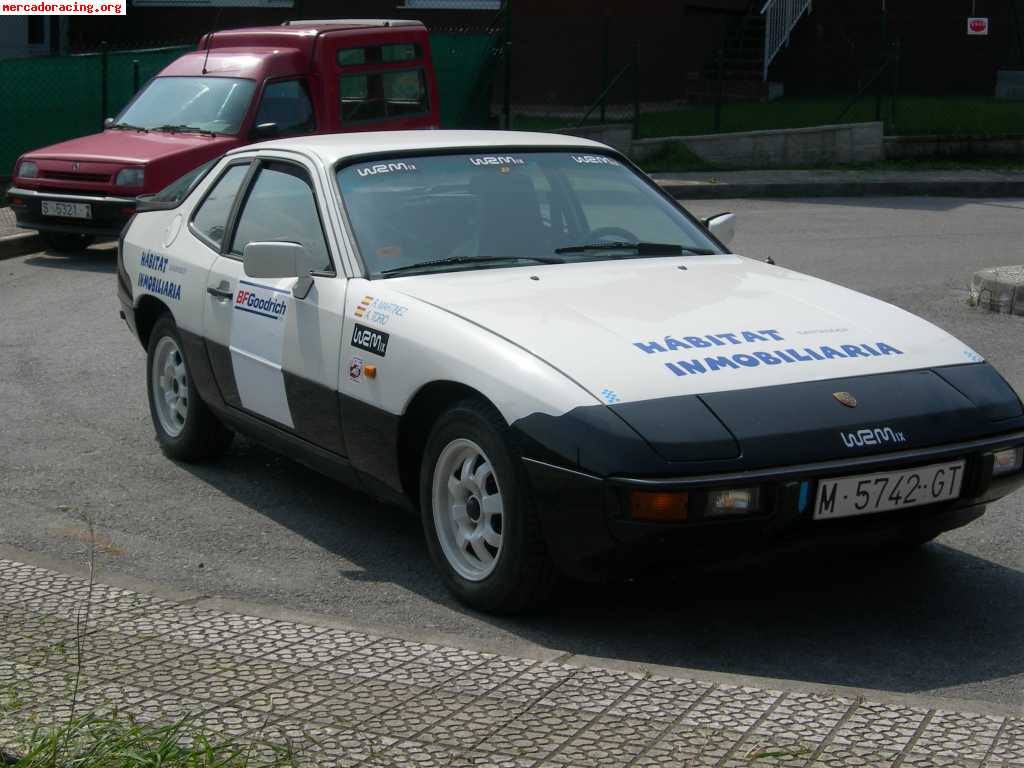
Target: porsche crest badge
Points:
(846, 399)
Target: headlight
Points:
(130, 177)
(28, 170)
(1007, 461)
(732, 501)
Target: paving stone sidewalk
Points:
(8, 225)
(346, 698)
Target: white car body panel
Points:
(425, 345)
(606, 331)
(587, 320)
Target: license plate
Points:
(67, 210)
(867, 494)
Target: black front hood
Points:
(781, 425)
(801, 423)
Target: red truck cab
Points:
(237, 87)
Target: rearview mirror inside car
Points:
(722, 226)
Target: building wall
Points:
(16, 41)
(840, 44)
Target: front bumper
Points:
(589, 532)
(109, 213)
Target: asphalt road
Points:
(75, 439)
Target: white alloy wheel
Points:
(468, 510)
(170, 387)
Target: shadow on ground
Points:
(909, 621)
(102, 259)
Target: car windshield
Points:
(215, 104)
(473, 211)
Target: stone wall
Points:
(825, 144)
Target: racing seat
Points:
(510, 219)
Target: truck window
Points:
(215, 104)
(286, 105)
(382, 95)
(379, 54)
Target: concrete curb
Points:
(720, 186)
(20, 244)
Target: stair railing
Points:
(780, 18)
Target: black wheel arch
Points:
(422, 412)
(147, 312)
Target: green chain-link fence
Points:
(50, 99)
(54, 98)
(464, 63)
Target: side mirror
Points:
(722, 226)
(264, 131)
(278, 259)
(107, 122)
(272, 259)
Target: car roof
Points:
(332, 147)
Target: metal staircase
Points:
(738, 70)
(780, 16)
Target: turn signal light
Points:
(1007, 461)
(658, 507)
(370, 371)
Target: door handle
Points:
(219, 293)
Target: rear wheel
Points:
(66, 242)
(185, 427)
(483, 536)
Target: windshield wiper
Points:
(128, 127)
(455, 260)
(642, 249)
(184, 129)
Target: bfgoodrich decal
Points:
(263, 300)
(370, 340)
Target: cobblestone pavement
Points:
(346, 698)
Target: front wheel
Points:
(483, 536)
(66, 242)
(185, 427)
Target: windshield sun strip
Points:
(434, 152)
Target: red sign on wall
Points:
(977, 25)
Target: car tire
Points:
(474, 502)
(186, 428)
(66, 242)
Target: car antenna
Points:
(209, 38)
(206, 58)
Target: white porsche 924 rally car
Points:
(523, 337)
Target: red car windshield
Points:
(209, 104)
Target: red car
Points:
(239, 86)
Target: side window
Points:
(211, 218)
(381, 95)
(281, 206)
(287, 106)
